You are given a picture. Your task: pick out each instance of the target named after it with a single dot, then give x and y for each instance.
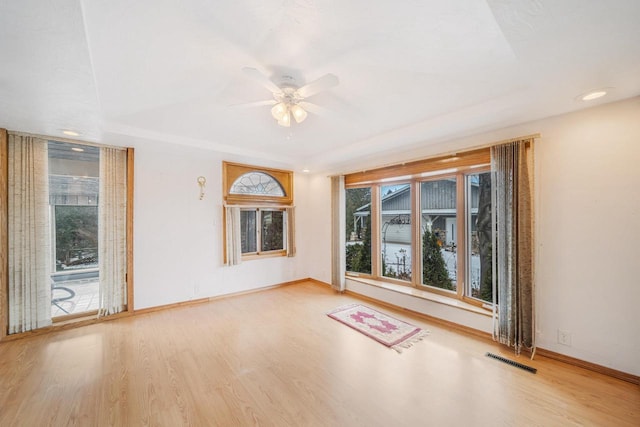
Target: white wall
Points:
(587, 230)
(317, 228)
(450, 313)
(588, 234)
(178, 238)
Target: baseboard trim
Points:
(634, 379)
(214, 298)
(92, 320)
(63, 326)
(169, 306)
(594, 367)
(316, 282)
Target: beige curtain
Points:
(112, 230)
(233, 236)
(513, 248)
(291, 231)
(29, 236)
(338, 233)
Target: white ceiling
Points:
(411, 72)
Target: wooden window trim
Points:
(467, 298)
(4, 233)
(373, 224)
(458, 166)
(379, 213)
(129, 226)
(461, 240)
(264, 254)
(260, 255)
(232, 171)
(417, 169)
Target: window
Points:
(271, 230)
(252, 185)
(480, 236)
(75, 233)
(73, 199)
(439, 235)
(257, 183)
(434, 224)
(62, 197)
(249, 231)
(358, 230)
(259, 218)
(262, 230)
(395, 231)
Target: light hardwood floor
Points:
(274, 358)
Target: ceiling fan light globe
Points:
(286, 120)
(279, 111)
(299, 113)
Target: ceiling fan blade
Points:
(262, 79)
(313, 108)
(254, 104)
(323, 83)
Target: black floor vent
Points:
(512, 363)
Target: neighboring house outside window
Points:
(430, 223)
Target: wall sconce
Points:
(201, 182)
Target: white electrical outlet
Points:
(564, 337)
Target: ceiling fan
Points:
(289, 99)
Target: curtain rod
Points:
(62, 139)
(506, 141)
(448, 153)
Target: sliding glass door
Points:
(67, 222)
(73, 199)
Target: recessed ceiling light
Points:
(70, 132)
(305, 170)
(594, 95)
(78, 149)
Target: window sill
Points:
(418, 293)
(261, 255)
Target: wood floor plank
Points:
(274, 358)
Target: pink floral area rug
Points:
(385, 329)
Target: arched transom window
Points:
(257, 183)
(251, 185)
